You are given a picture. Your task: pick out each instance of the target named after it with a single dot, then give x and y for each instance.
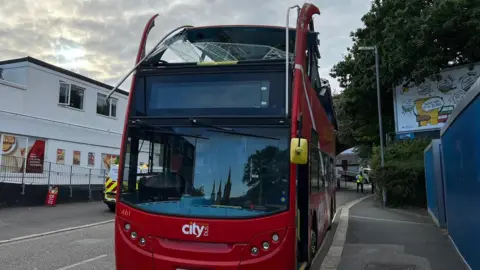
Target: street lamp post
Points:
(379, 104)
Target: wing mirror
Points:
(299, 151)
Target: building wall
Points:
(16, 73)
(30, 107)
(85, 150)
(42, 96)
(12, 93)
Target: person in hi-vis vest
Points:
(360, 179)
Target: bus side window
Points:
(323, 169)
(314, 161)
(328, 176)
(314, 170)
(333, 172)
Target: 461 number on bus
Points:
(125, 212)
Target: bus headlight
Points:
(142, 241)
(265, 243)
(275, 237)
(127, 227)
(133, 235)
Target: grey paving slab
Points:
(379, 238)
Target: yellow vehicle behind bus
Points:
(110, 187)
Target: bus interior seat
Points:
(161, 186)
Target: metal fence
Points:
(19, 170)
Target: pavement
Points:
(369, 236)
(345, 195)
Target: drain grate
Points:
(381, 266)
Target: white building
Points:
(51, 114)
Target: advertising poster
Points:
(35, 156)
(13, 153)
(21, 154)
(91, 159)
(107, 160)
(428, 105)
(76, 158)
(61, 156)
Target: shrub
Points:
(403, 174)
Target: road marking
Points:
(401, 211)
(83, 262)
(334, 255)
(31, 236)
(391, 220)
(336, 212)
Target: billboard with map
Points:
(428, 105)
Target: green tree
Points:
(198, 192)
(403, 175)
(416, 38)
(266, 172)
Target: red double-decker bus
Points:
(238, 131)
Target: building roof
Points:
(61, 70)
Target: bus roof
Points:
(242, 25)
(226, 43)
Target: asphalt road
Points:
(74, 247)
(89, 248)
(21, 221)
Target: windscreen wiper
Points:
(140, 123)
(203, 124)
(228, 130)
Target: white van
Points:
(366, 173)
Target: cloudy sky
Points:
(99, 38)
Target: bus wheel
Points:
(111, 206)
(313, 240)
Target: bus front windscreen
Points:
(207, 172)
